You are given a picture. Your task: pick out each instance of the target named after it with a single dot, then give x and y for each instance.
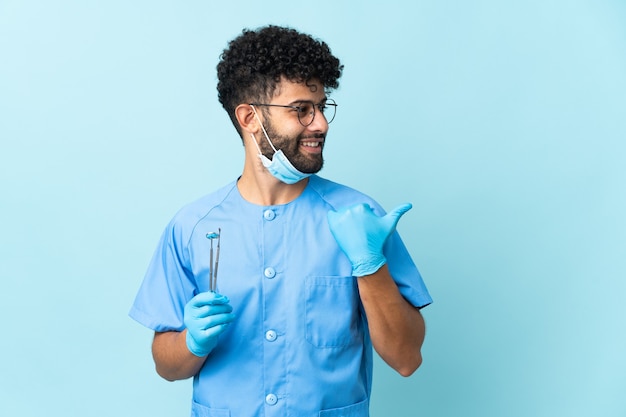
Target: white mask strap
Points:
(264, 132)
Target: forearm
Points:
(172, 358)
(397, 328)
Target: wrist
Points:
(368, 266)
(195, 348)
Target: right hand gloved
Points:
(207, 315)
(361, 235)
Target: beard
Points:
(303, 162)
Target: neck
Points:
(258, 186)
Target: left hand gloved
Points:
(361, 235)
(206, 316)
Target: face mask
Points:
(280, 167)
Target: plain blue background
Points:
(501, 121)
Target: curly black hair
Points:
(253, 64)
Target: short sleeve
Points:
(405, 273)
(167, 285)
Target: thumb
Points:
(394, 215)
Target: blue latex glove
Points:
(207, 315)
(361, 235)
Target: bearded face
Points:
(304, 151)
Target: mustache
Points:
(314, 136)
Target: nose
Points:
(319, 123)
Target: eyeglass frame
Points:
(327, 102)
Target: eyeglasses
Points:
(306, 110)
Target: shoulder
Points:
(185, 220)
(338, 195)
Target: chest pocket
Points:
(332, 317)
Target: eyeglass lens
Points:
(307, 110)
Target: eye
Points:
(305, 108)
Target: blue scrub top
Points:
(299, 344)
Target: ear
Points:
(247, 120)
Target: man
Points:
(311, 273)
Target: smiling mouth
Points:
(313, 141)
